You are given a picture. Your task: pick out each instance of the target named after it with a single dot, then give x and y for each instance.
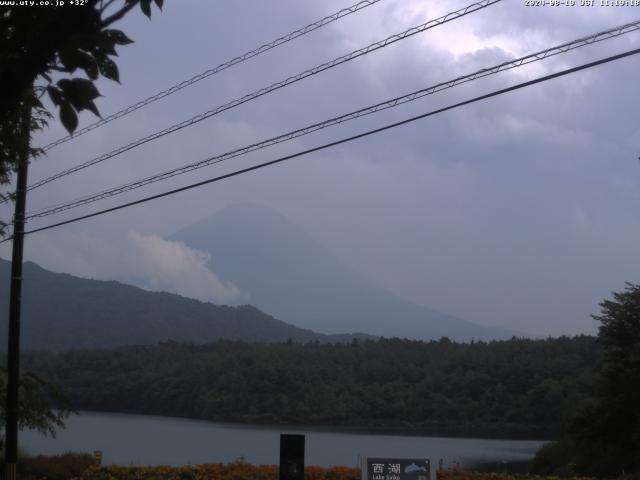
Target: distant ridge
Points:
(61, 311)
(286, 273)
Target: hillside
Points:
(61, 311)
(288, 274)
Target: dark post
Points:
(291, 457)
(13, 351)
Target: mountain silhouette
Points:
(286, 273)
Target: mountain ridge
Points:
(62, 311)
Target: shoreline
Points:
(506, 432)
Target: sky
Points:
(520, 211)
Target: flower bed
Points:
(214, 471)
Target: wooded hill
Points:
(505, 388)
(61, 311)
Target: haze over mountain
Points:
(286, 273)
(60, 311)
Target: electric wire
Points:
(394, 102)
(338, 142)
(217, 69)
(275, 86)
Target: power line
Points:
(275, 86)
(565, 47)
(339, 142)
(217, 69)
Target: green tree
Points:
(616, 431)
(41, 49)
(36, 397)
(604, 436)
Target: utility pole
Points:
(13, 351)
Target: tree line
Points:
(519, 387)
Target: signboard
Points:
(396, 469)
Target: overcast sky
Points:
(520, 211)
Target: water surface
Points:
(148, 440)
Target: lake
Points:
(148, 440)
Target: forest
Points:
(514, 388)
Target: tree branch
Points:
(118, 15)
(56, 68)
(104, 7)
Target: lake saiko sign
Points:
(396, 469)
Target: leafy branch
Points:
(41, 52)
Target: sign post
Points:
(291, 457)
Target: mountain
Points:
(60, 311)
(286, 273)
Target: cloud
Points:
(541, 185)
(174, 267)
(147, 261)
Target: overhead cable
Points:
(275, 86)
(391, 103)
(217, 69)
(338, 142)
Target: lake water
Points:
(147, 440)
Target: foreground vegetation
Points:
(70, 466)
(56, 467)
(217, 471)
(83, 467)
(511, 388)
